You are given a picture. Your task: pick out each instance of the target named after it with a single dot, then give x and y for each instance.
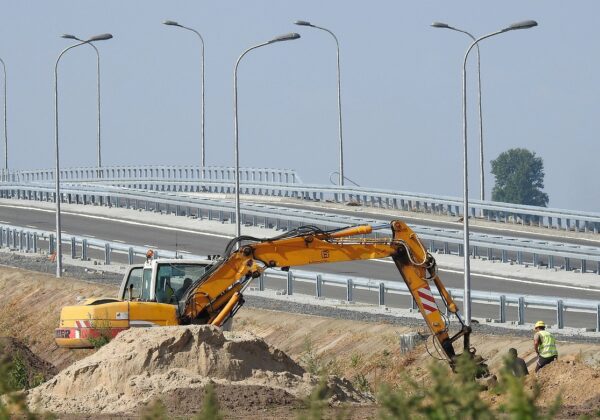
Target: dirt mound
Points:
(577, 382)
(27, 369)
(141, 365)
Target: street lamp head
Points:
(302, 23)
(286, 37)
(170, 23)
(441, 25)
(101, 37)
(69, 36)
(526, 24)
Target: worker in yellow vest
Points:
(544, 345)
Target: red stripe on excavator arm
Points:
(414, 277)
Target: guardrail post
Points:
(535, 260)
(14, 238)
(583, 266)
(446, 248)
(560, 314)
(28, 242)
(130, 255)
(598, 318)
(381, 294)
(107, 253)
(502, 308)
(460, 250)
(550, 261)
(1, 237)
(567, 264)
(349, 287)
(504, 256)
(35, 243)
(51, 244)
(413, 303)
(290, 283)
(521, 312)
(519, 257)
(21, 240)
(319, 286)
(73, 250)
(261, 282)
(84, 250)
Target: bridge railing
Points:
(286, 182)
(22, 239)
(504, 248)
(188, 173)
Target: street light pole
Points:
(481, 161)
(5, 123)
(286, 37)
(99, 150)
(467, 270)
(203, 143)
(57, 171)
(339, 95)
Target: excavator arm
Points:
(218, 294)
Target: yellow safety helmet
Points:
(540, 324)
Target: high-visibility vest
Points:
(547, 347)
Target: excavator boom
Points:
(218, 294)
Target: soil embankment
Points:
(367, 353)
(31, 305)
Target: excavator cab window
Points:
(134, 283)
(175, 279)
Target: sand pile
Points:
(141, 365)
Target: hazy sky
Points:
(401, 88)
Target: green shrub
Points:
(102, 327)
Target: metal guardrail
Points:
(285, 182)
(27, 240)
(188, 173)
(483, 245)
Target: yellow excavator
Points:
(179, 292)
